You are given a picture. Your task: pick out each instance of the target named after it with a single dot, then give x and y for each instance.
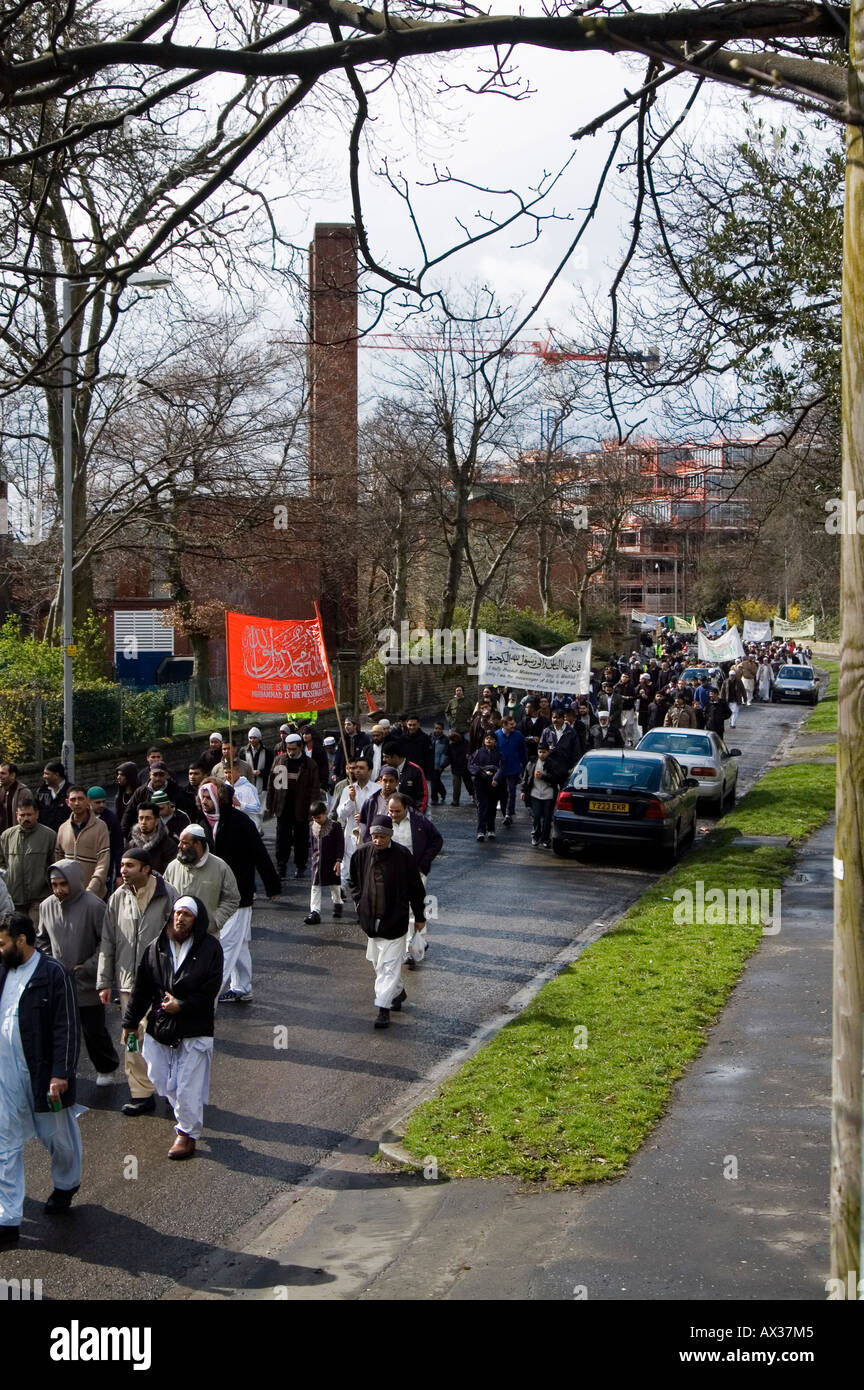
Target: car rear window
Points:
(659, 741)
(618, 772)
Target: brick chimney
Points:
(333, 460)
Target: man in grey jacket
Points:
(137, 913)
(70, 930)
(197, 873)
(27, 851)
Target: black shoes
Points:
(396, 1006)
(383, 1019)
(143, 1105)
(313, 920)
(60, 1201)
(337, 909)
(508, 821)
(9, 1236)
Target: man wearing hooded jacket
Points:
(71, 920)
(176, 984)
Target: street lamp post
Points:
(145, 281)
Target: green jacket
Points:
(25, 858)
(459, 714)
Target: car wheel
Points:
(670, 855)
(732, 796)
(561, 848)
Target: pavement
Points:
(282, 1194)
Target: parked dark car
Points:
(796, 683)
(638, 799)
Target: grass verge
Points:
(823, 720)
(538, 1105)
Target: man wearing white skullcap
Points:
(260, 760)
(177, 982)
(197, 872)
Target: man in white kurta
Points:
(19, 1118)
(351, 803)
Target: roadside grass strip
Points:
(572, 1087)
(824, 717)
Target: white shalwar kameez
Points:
(234, 938)
(416, 941)
(386, 958)
(182, 1073)
(345, 812)
(19, 1121)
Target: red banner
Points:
(276, 665)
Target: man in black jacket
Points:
(411, 779)
(237, 841)
(386, 885)
(417, 747)
(40, 1036)
(51, 796)
(177, 982)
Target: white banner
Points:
(684, 625)
(726, 647)
(756, 632)
(644, 619)
(804, 627)
(501, 661)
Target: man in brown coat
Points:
(10, 791)
(681, 716)
(292, 787)
(85, 838)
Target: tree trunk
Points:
(848, 866)
(454, 566)
(544, 570)
(201, 652)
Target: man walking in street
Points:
(39, 1043)
(198, 873)
(51, 796)
(386, 887)
(238, 843)
(176, 986)
(27, 852)
(11, 791)
(348, 810)
(733, 693)
(514, 756)
(458, 711)
(137, 913)
(294, 784)
(717, 713)
(85, 837)
(328, 853)
(71, 920)
(97, 798)
(151, 833)
(424, 842)
(411, 777)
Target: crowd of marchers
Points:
(144, 897)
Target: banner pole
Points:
(332, 691)
(228, 687)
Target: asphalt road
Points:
(504, 910)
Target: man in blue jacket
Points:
(40, 1037)
(514, 756)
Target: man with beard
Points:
(386, 886)
(198, 873)
(160, 780)
(240, 846)
(176, 984)
(350, 805)
(26, 853)
(39, 1043)
(137, 913)
(151, 833)
(173, 819)
(71, 920)
(294, 784)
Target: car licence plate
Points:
(620, 806)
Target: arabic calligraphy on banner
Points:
(727, 647)
(276, 665)
(804, 627)
(501, 661)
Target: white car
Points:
(703, 755)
